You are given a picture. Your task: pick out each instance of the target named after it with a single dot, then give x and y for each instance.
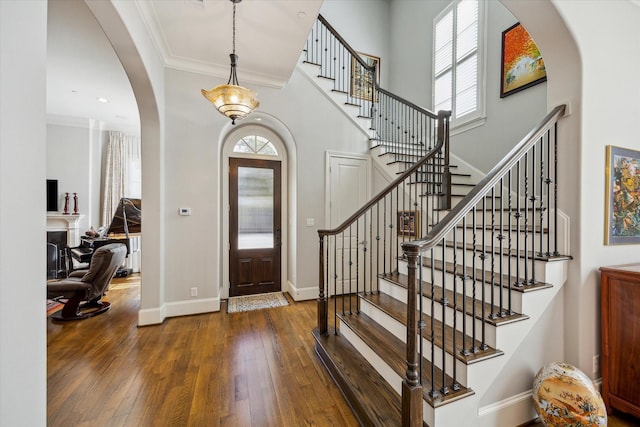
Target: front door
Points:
(254, 222)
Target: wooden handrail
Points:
(355, 54)
(442, 138)
(440, 230)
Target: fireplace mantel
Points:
(68, 223)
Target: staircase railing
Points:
(487, 246)
(397, 125)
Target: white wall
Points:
(23, 52)
(507, 119)
(69, 160)
(364, 24)
(193, 143)
(610, 112)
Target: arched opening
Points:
(145, 73)
(255, 142)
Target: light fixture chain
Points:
(234, 27)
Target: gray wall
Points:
(507, 119)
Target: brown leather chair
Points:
(84, 288)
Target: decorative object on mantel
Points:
(75, 203)
(233, 100)
(66, 204)
(564, 396)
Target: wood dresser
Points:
(620, 323)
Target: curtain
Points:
(122, 169)
(122, 172)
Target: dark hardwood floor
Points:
(245, 369)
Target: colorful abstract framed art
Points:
(622, 204)
(522, 64)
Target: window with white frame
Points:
(457, 57)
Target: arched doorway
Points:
(255, 187)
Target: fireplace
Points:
(56, 253)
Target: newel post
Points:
(411, 385)
(323, 313)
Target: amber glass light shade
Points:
(235, 102)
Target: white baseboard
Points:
(302, 294)
(198, 306)
(155, 316)
(151, 316)
(512, 411)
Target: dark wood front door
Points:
(254, 226)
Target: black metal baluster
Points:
(493, 315)
(532, 199)
(518, 215)
(432, 336)
(555, 190)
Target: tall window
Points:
(457, 82)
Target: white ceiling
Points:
(190, 35)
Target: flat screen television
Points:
(52, 195)
(129, 212)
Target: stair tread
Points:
(393, 351)
(372, 399)
(489, 278)
(402, 281)
(508, 252)
(398, 310)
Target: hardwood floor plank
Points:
(254, 368)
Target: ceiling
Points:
(190, 35)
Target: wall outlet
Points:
(596, 364)
(194, 292)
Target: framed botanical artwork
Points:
(408, 223)
(522, 64)
(361, 80)
(622, 205)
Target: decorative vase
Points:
(66, 204)
(564, 396)
(75, 203)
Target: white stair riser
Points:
(400, 293)
(390, 376)
(400, 331)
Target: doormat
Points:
(256, 302)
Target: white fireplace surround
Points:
(68, 223)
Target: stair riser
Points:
(519, 266)
(382, 368)
(400, 294)
(400, 331)
(516, 295)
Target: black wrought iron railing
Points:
(402, 129)
(482, 250)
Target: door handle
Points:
(278, 241)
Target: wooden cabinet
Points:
(620, 316)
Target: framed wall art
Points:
(361, 84)
(622, 204)
(408, 223)
(522, 64)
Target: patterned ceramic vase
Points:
(565, 397)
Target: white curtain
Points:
(122, 178)
(122, 172)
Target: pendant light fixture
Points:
(231, 99)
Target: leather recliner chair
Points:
(84, 288)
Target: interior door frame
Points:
(327, 179)
(227, 152)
